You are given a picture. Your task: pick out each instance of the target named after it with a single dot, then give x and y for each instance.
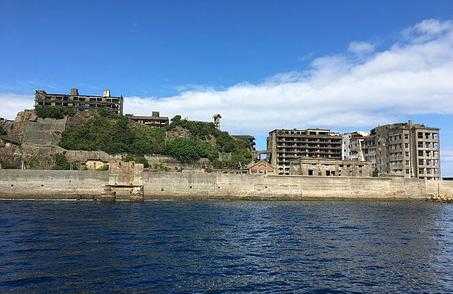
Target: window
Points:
(420, 135)
(310, 172)
(420, 152)
(420, 162)
(406, 145)
(407, 171)
(406, 136)
(406, 153)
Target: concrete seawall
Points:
(54, 184)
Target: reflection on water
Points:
(226, 246)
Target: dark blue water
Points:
(161, 247)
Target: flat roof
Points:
(147, 117)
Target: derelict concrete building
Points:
(155, 120)
(80, 102)
(283, 146)
(325, 167)
(404, 149)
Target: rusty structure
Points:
(285, 145)
(404, 149)
(155, 120)
(330, 167)
(80, 102)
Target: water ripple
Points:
(224, 247)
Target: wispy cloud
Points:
(361, 47)
(11, 104)
(412, 76)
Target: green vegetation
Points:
(61, 163)
(137, 159)
(114, 134)
(56, 112)
(190, 150)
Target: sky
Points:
(342, 65)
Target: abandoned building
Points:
(353, 146)
(283, 146)
(155, 120)
(330, 167)
(216, 119)
(80, 102)
(404, 149)
(260, 167)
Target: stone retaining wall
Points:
(51, 184)
(54, 184)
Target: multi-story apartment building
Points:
(404, 149)
(353, 146)
(283, 146)
(155, 120)
(80, 102)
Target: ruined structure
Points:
(353, 146)
(330, 167)
(125, 182)
(155, 120)
(80, 102)
(260, 167)
(404, 149)
(216, 119)
(283, 146)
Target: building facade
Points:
(154, 120)
(352, 146)
(80, 102)
(325, 167)
(260, 167)
(283, 146)
(404, 149)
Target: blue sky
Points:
(343, 65)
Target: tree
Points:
(56, 112)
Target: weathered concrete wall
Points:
(442, 189)
(202, 185)
(51, 184)
(54, 184)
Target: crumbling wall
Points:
(22, 120)
(45, 131)
(40, 157)
(125, 173)
(81, 156)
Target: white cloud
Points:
(11, 104)
(412, 76)
(360, 47)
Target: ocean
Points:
(225, 247)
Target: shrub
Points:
(137, 159)
(56, 112)
(189, 150)
(61, 163)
